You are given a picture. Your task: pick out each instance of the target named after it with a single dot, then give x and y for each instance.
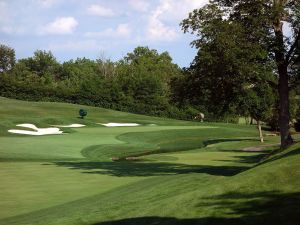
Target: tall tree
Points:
(263, 21)
(144, 76)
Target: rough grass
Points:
(200, 173)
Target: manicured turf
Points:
(186, 172)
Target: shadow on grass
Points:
(245, 150)
(132, 168)
(279, 154)
(217, 141)
(253, 158)
(261, 208)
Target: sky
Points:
(94, 29)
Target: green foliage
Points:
(272, 122)
(237, 46)
(7, 58)
(144, 79)
(258, 101)
(263, 21)
(225, 63)
(139, 83)
(42, 64)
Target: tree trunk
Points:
(283, 88)
(261, 137)
(284, 116)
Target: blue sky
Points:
(97, 28)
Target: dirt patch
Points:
(253, 149)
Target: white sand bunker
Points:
(120, 124)
(36, 131)
(74, 125)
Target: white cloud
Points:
(139, 5)
(157, 30)
(163, 21)
(99, 10)
(121, 31)
(178, 10)
(61, 25)
(47, 3)
(85, 45)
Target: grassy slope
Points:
(211, 185)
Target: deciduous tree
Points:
(262, 23)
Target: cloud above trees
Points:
(60, 25)
(120, 24)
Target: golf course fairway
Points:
(163, 171)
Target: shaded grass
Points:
(128, 169)
(253, 209)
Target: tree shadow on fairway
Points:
(260, 208)
(244, 150)
(281, 154)
(124, 168)
(221, 140)
(251, 158)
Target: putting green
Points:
(69, 146)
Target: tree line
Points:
(141, 82)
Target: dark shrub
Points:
(82, 113)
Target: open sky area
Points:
(97, 28)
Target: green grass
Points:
(188, 173)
